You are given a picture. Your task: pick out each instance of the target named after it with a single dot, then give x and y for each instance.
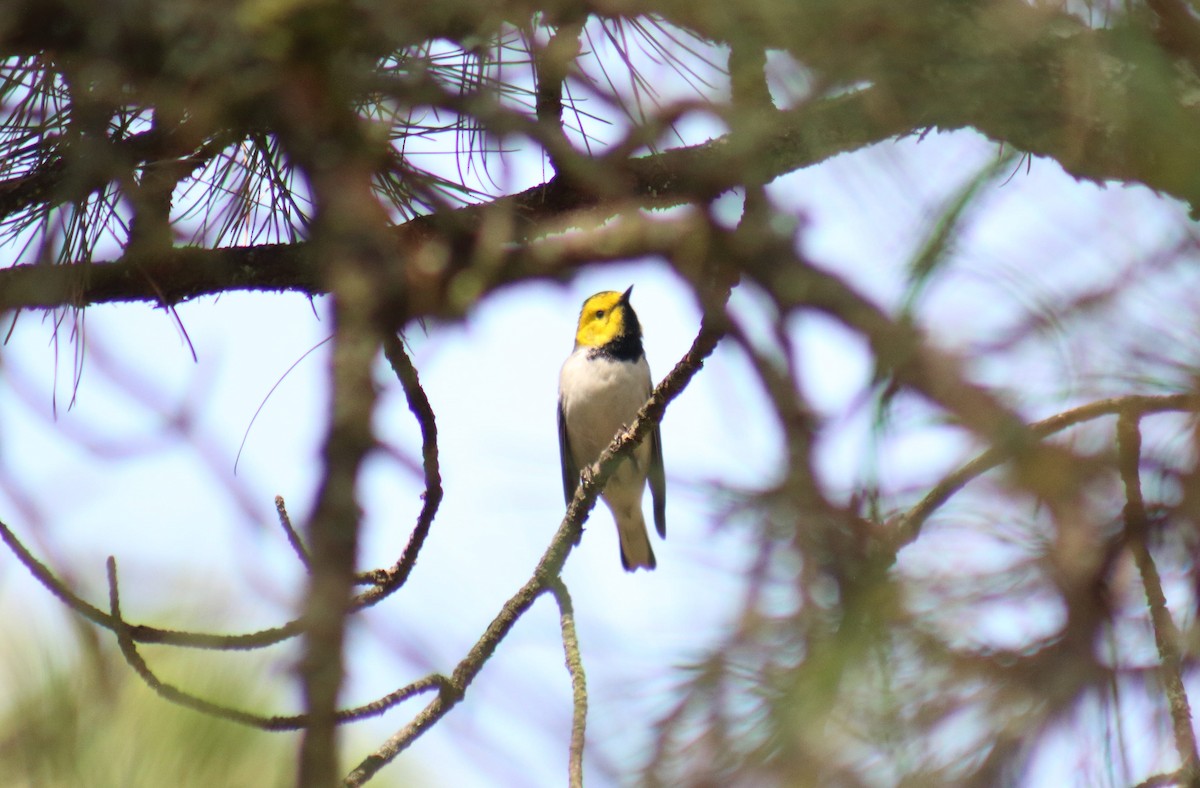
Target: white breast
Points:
(600, 396)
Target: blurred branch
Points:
(551, 64)
(1050, 92)
(1177, 30)
(548, 568)
(332, 146)
(1177, 777)
(902, 351)
(579, 697)
(751, 109)
(333, 529)
(907, 527)
(53, 180)
(790, 140)
(1166, 634)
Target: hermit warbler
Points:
(603, 384)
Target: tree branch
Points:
(293, 538)
(791, 139)
(551, 65)
(1166, 634)
(175, 695)
(548, 568)
(331, 146)
(140, 632)
(579, 697)
(167, 691)
(907, 527)
(387, 581)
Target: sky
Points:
(138, 459)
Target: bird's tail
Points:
(636, 552)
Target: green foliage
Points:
(83, 719)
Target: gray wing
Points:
(570, 473)
(658, 483)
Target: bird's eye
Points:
(599, 313)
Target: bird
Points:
(603, 383)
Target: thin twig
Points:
(138, 632)
(579, 696)
(1166, 634)
(51, 582)
(167, 691)
(387, 581)
(293, 537)
(181, 697)
(434, 681)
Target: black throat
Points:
(626, 346)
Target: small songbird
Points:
(603, 384)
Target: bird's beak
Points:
(625, 296)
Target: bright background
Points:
(135, 457)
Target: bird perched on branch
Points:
(603, 384)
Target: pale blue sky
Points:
(199, 547)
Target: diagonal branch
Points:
(140, 632)
(908, 527)
(902, 352)
(285, 522)
(548, 568)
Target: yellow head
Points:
(608, 321)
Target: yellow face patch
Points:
(602, 319)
